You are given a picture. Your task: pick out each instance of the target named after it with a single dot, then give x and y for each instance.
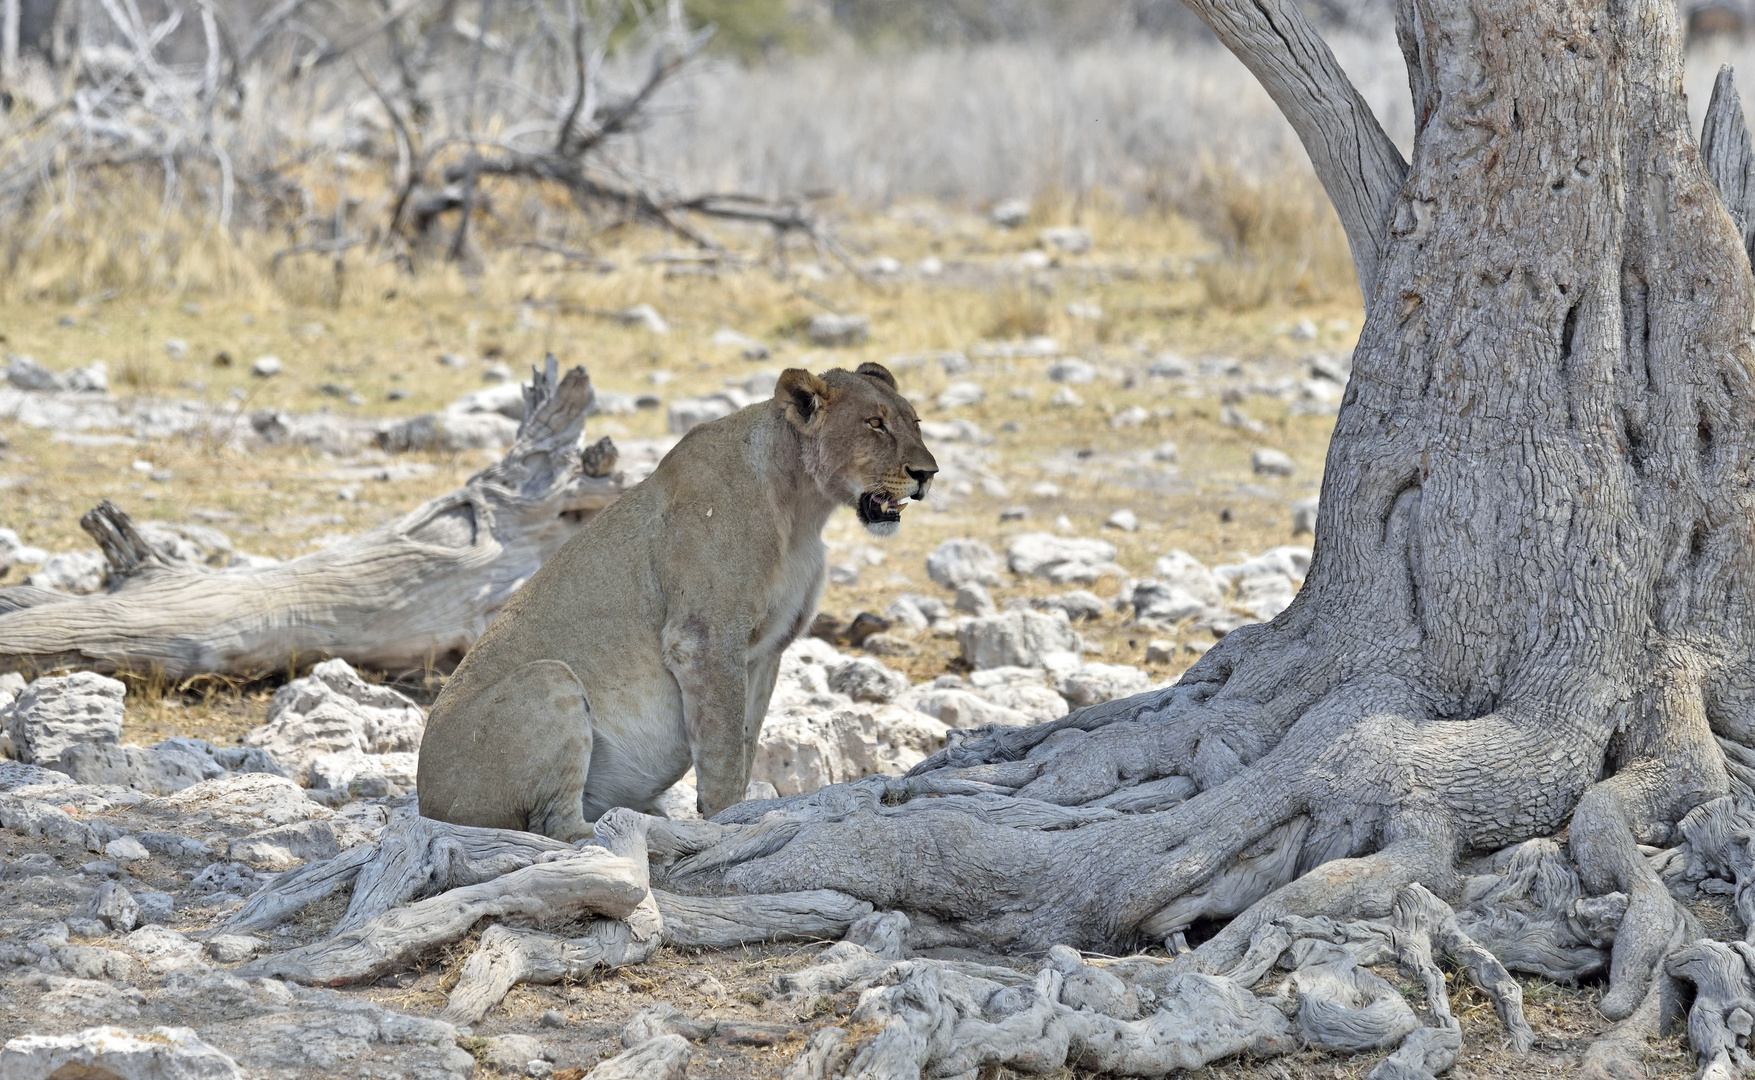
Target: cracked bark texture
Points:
(1529, 606)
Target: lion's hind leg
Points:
(524, 757)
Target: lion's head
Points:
(862, 441)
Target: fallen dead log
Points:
(403, 596)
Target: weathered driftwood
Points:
(586, 882)
(507, 957)
(406, 595)
(413, 858)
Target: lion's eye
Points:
(876, 423)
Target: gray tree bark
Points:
(1530, 604)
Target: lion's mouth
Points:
(879, 507)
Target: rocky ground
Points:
(1128, 475)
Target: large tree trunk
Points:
(413, 593)
(1530, 601)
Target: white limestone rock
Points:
(1154, 601)
(1095, 683)
(1020, 689)
(1061, 559)
(112, 1053)
(251, 802)
(54, 713)
(1269, 462)
(352, 774)
(157, 771)
(1016, 639)
(78, 572)
(162, 950)
(1180, 570)
(332, 710)
(864, 679)
(965, 709)
(962, 561)
(799, 753)
(827, 330)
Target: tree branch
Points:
(1724, 147)
(1359, 166)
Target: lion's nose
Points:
(921, 477)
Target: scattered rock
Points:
(960, 562)
(955, 431)
(1077, 604)
(974, 599)
(1123, 519)
(77, 572)
(111, 1053)
(1167, 366)
(686, 413)
(1304, 516)
(1156, 601)
(265, 367)
(1076, 372)
(883, 644)
(1094, 683)
(158, 771)
(1009, 213)
(748, 347)
(1165, 453)
(24, 373)
(645, 317)
(512, 1053)
(963, 709)
(234, 948)
(1130, 417)
(1065, 398)
(917, 612)
(1062, 560)
(827, 330)
(115, 907)
(1180, 570)
(54, 713)
(1267, 462)
(1069, 239)
(94, 378)
(1016, 639)
(162, 950)
(800, 753)
(126, 849)
(959, 394)
(1085, 310)
(448, 432)
(331, 710)
(865, 679)
(1160, 652)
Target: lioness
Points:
(651, 640)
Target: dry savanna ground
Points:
(364, 338)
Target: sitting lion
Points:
(651, 640)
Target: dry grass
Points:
(385, 330)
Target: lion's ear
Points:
(878, 372)
(802, 396)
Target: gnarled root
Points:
(1722, 1020)
(1142, 1017)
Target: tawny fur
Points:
(651, 640)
